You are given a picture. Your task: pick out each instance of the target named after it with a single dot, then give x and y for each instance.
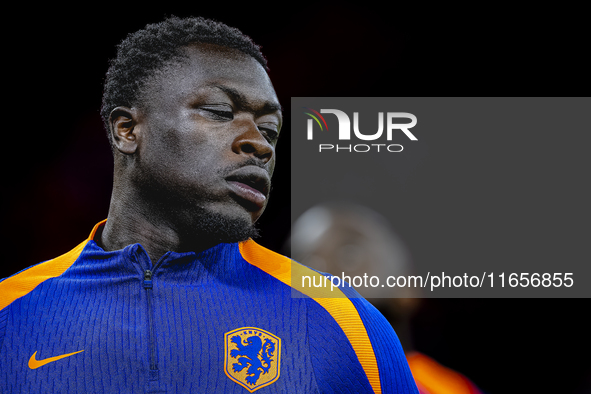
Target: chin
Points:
(228, 226)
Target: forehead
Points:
(208, 66)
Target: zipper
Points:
(147, 284)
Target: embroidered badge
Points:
(253, 357)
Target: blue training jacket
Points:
(226, 320)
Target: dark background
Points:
(58, 171)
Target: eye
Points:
(217, 112)
(270, 132)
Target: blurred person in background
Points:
(348, 239)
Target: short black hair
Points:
(144, 52)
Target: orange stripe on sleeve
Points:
(21, 284)
(337, 305)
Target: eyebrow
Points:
(243, 102)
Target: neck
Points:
(132, 220)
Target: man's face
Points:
(209, 126)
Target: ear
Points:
(123, 127)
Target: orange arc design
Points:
(34, 363)
(21, 284)
(340, 308)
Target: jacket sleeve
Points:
(368, 359)
(395, 374)
(3, 322)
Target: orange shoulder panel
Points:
(334, 302)
(21, 284)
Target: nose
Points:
(251, 142)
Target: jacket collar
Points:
(220, 260)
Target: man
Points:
(170, 293)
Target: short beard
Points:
(218, 228)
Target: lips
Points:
(251, 185)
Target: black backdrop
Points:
(58, 171)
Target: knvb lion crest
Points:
(253, 357)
